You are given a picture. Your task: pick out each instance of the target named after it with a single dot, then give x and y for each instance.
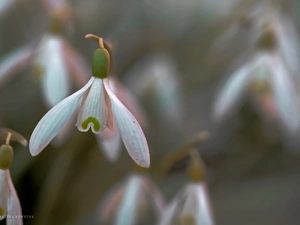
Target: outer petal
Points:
(6, 6)
(15, 61)
(4, 193)
(127, 213)
(14, 210)
(128, 100)
(55, 120)
(155, 195)
(170, 213)
(110, 143)
(197, 207)
(55, 79)
(111, 203)
(93, 112)
(231, 94)
(65, 133)
(285, 97)
(130, 130)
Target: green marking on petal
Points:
(92, 120)
(2, 212)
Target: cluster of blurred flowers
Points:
(267, 76)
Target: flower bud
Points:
(6, 156)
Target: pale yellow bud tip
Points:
(2, 212)
(187, 220)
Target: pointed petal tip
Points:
(33, 151)
(144, 164)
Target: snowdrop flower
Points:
(127, 203)
(110, 141)
(157, 74)
(97, 106)
(9, 202)
(266, 74)
(54, 60)
(192, 205)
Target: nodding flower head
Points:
(9, 201)
(128, 202)
(98, 107)
(192, 204)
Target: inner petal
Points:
(93, 112)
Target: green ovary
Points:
(92, 120)
(6, 156)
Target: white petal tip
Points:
(145, 164)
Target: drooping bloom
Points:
(157, 74)
(191, 205)
(9, 202)
(268, 75)
(54, 61)
(264, 74)
(97, 105)
(127, 203)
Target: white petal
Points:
(111, 203)
(128, 100)
(128, 209)
(55, 79)
(93, 112)
(6, 6)
(110, 143)
(4, 193)
(65, 133)
(232, 93)
(197, 205)
(155, 195)
(55, 120)
(15, 61)
(285, 97)
(14, 210)
(169, 214)
(130, 130)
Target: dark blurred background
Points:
(253, 170)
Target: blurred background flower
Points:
(175, 58)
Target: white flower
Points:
(127, 203)
(55, 60)
(191, 206)
(97, 106)
(157, 74)
(267, 69)
(9, 201)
